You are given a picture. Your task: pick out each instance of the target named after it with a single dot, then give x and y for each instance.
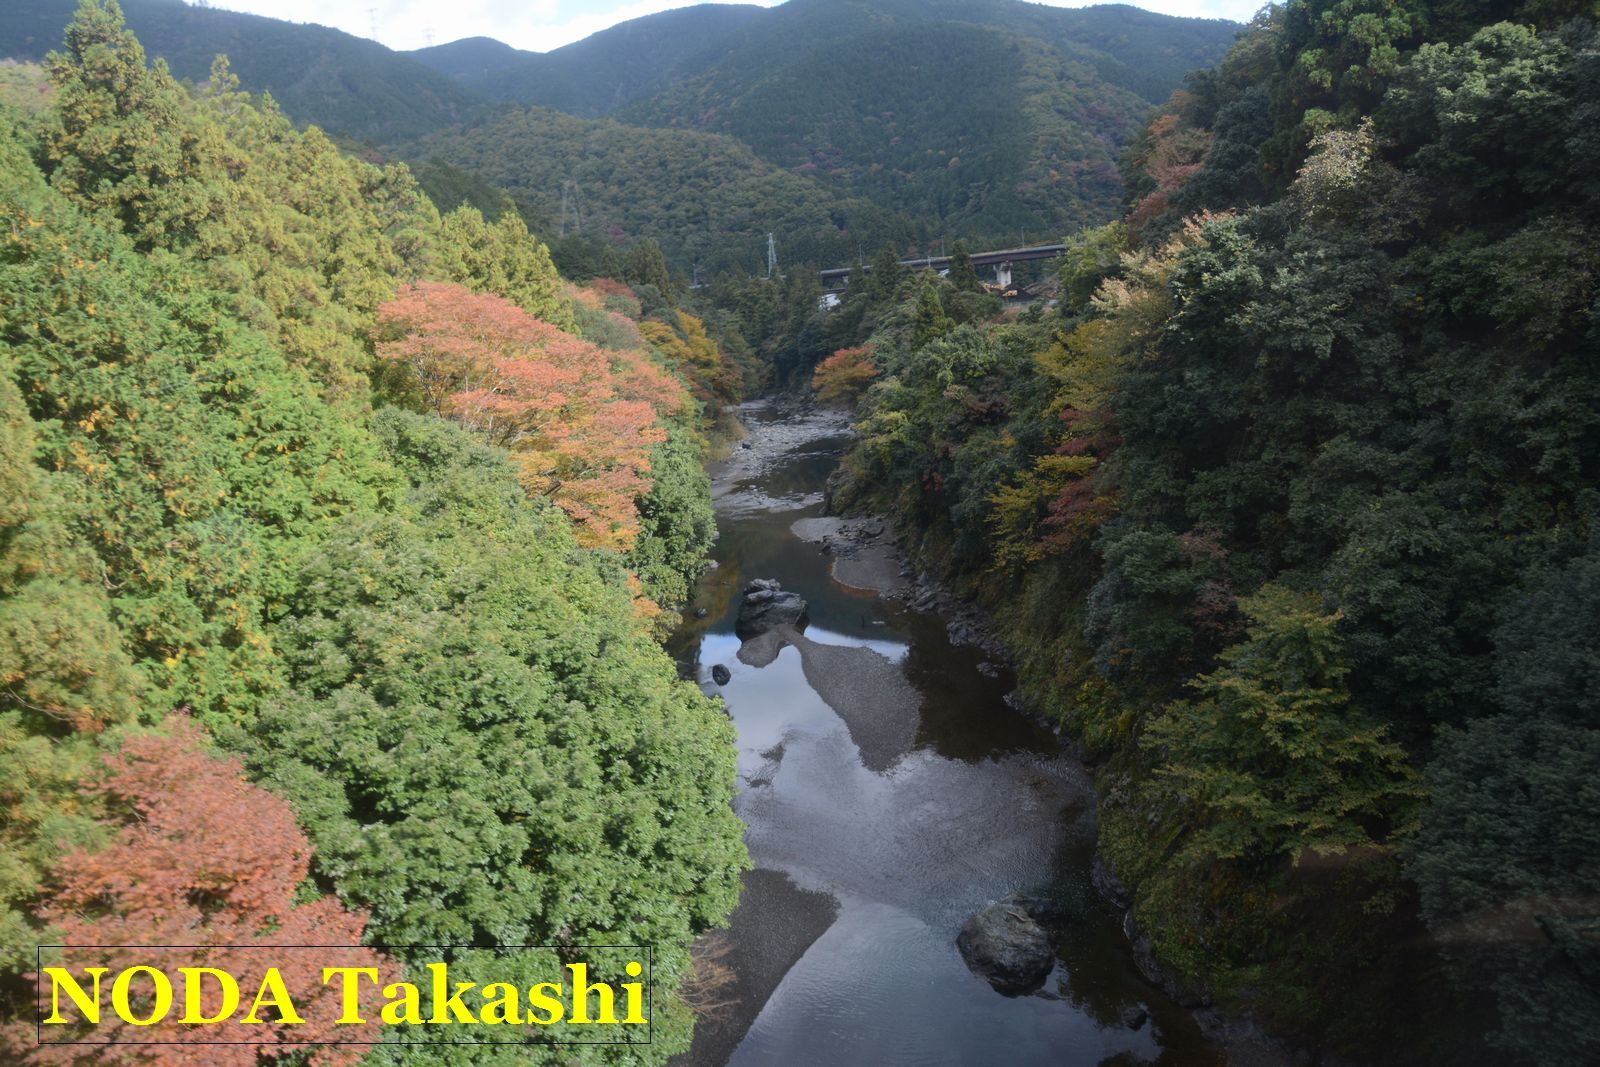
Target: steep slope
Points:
(981, 131)
(324, 76)
(993, 119)
(1292, 516)
(600, 73)
(705, 198)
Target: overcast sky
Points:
(540, 25)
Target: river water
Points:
(888, 793)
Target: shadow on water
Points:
(888, 793)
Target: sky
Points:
(540, 25)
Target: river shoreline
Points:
(785, 915)
(868, 553)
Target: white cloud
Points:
(540, 25)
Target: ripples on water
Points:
(878, 766)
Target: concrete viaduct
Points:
(835, 280)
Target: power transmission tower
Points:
(372, 22)
(571, 201)
(772, 256)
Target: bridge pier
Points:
(1002, 275)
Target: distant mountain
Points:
(986, 119)
(343, 83)
(601, 73)
(859, 120)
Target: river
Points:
(888, 793)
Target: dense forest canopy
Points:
(293, 528)
(1289, 511)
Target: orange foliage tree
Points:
(201, 858)
(616, 296)
(1170, 153)
(686, 346)
(579, 421)
(845, 374)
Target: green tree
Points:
(886, 276)
(1272, 760)
(503, 258)
(643, 264)
(484, 746)
(961, 275)
(1509, 851)
(123, 139)
(929, 323)
(676, 524)
(1091, 257)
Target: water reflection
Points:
(879, 766)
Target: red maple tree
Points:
(845, 374)
(201, 858)
(579, 421)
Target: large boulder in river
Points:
(765, 607)
(1006, 945)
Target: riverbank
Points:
(889, 792)
(868, 553)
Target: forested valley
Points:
(338, 537)
(357, 479)
(1288, 514)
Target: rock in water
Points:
(1006, 947)
(721, 675)
(766, 606)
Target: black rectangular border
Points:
(649, 956)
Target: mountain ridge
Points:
(343, 83)
(594, 76)
(989, 120)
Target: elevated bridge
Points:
(835, 280)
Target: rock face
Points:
(1005, 944)
(766, 606)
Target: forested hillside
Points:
(706, 199)
(982, 118)
(344, 84)
(994, 136)
(1289, 514)
(337, 536)
(911, 123)
(985, 118)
